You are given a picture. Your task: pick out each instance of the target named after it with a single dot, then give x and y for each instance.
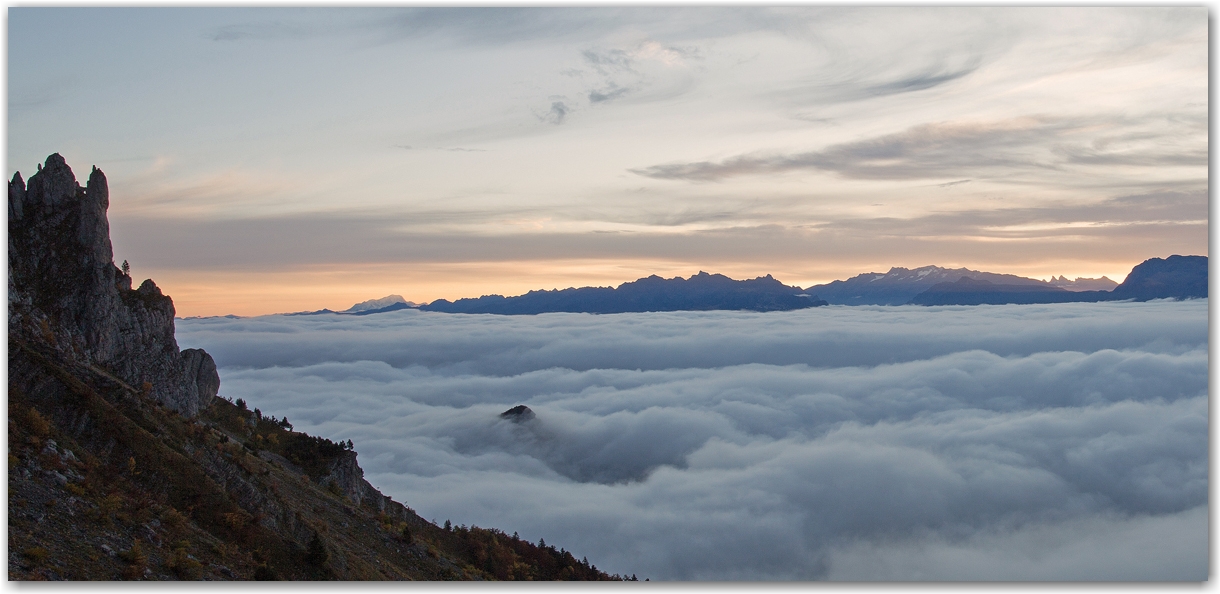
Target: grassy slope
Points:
(106, 484)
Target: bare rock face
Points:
(199, 365)
(347, 475)
(65, 292)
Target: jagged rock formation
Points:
(64, 286)
(124, 463)
(1084, 284)
(345, 473)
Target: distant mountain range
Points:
(1084, 284)
(378, 304)
(702, 291)
(899, 285)
(1175, 277)
(1178, 277)
(364, 308)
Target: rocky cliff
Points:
(64, 288)
(124, 463)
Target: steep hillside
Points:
(125, 464)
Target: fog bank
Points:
(1059, 442)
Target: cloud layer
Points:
(1011, 442)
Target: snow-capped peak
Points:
(377, 303)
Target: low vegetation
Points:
(106, 484)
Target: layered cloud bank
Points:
(1062, 441)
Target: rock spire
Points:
(66, 294)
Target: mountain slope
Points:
(1178, 277)
(125, 464)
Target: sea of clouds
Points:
(1061, 442)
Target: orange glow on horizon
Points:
(211, 293)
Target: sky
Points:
(271, 160)
(1019, 442)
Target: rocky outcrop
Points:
(107, 481)
(199, 364)
(1175, 277)
(346, 474)
(66, 292)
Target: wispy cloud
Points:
(1124, 230)
(922, 81)
(610, 93)
(559, 110)
(819, 135)
(260, 31)
(493, 26)
(608, 61)
(981, 149)
(649, 70)
(451, 149)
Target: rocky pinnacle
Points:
(66, 294)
